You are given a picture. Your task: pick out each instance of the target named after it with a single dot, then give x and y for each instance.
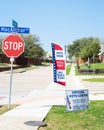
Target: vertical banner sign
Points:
(58, 58)
(77, 99)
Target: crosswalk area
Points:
(2, 97)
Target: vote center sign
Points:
(13, 45)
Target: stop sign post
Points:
(12, 46)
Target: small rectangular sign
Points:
(77, 99)
(23, 30)
(4, 29)
(14, 23)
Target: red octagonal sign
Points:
(13, 45)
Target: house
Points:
(101, 57)
(101, 54)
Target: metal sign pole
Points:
(11, 74)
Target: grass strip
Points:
(4, 108)
(68, 69)
(90, 119)
(93, 66)
(94, 80)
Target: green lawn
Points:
(94, 79)
(4, 65)
(91, 119)
(4, 108)
(20, 70)
(97, 66)
(68, 69)
(93, 66)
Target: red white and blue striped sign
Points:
(58, 58)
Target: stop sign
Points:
(13, 45)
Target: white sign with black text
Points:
(77, 99)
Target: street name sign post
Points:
(12, 46)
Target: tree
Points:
(91, 49)
(33, 48)
(1, 38)
(75, 48)
(84, 48)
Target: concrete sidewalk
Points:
(33, 109)
(30, 115)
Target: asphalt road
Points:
(26, 82)
(39, 79)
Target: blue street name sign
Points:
(4, 29)
(14, 23)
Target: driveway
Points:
(93, 87)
